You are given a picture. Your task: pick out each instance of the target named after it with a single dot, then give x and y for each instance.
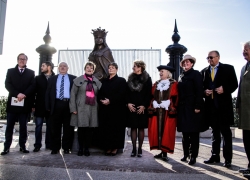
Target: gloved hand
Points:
(165, 104)
(155, 104)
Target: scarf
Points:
(163, 85)
(90, 94)
(136, 81)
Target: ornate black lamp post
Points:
(45, 50)
(176, 52)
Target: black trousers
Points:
(22, 118)
(219, 128)
(85, 135)
(227, 143)
(246, 141)
(190, 143)
(61, 118)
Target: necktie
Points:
(212, 74)
(212, 77)
(61, 89)
(21, 71)
(247, 65)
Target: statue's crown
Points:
(99, 32)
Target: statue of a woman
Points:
(101, 54)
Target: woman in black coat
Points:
(112, 111)
(138, 100)
(190, 107)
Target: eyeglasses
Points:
(21, 59)
(211, 57)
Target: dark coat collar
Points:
(113, 78)
(188, 72)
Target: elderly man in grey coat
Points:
(83, 106)
(243, 105)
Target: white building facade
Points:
(3, 4)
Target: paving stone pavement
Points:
(43, 165)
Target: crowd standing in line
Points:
(196, 101)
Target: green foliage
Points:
(236, 115)
(3, 104)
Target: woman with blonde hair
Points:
(138, 99)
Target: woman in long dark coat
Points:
(138, 100)
(112, 111)
(190, 106)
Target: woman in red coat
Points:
(162, 125)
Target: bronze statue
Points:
(101, 54)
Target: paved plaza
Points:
(43, 165)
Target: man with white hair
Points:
(243, 104)
(57, 102)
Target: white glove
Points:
(155, 104)
(165, 104)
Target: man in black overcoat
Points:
(20, 82)
(39, 109)
(219, 82)
(57, 102)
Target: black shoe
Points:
(139, 153)
(66, 151)
(5, 151)
(165, 159)
(36, 149)
(192, 161)
(47, 147)
(227, 164)
(113, 153)
(213, 159)
(24, 150)
(107, 154)
(247, 176)
(80, 152)
(133, 153)
(158, 156)
(244, 171)
(86, 152)
(184, 158)
(54, 152)
(164, 156)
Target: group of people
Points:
(102, 109)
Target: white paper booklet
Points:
(15, 102)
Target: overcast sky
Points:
(203, 25)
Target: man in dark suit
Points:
(243, 104)
(57, 102)
(219, 81)
(39, 109)
(20, 83)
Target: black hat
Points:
(169, 68)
